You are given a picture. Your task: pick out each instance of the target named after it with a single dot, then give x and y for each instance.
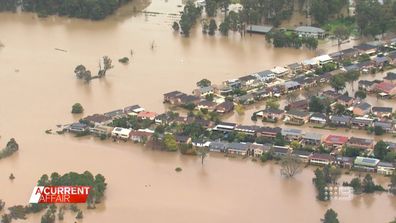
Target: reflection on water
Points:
(40, 96)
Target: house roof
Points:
(114, 113)
(363, 105)
(298, 152)
(238, 146)
(360, 141)
(279, 70)
(313, 136)
(298, 113)
(385, 87)
(133, 108)
(294, 66)
(293, 132)
(322, 156)
(390, 76)
(185, 99)
(364, 47)
(271, 130)
(336, 139)
(318, 115)
(365, 161)
(361, 120)
(345, 98)
(270, 110)
(173, 94)
(383, 124)
(365, 83)
(78, 125)
(97, 118)
(340, 118)
(381, 59)
(182, 138)
(218, 145)
(147, 114)
(122, 131)
(259, 29)
(247, 78)
(386, 164)
(309, 29)
(291, 84)
(226, 105)
(207, 103)
(382, 109)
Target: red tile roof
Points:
(385, 87)
(335, 139)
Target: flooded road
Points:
(38, 88)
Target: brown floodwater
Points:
(38, 87)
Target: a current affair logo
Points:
(59, 194)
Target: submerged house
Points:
(121, 133)
(310, 31)
(225, 107)
(366, 163)
(334, 141)
(298, 117)
(321, 159)
(360, 143)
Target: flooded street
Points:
(38, 88)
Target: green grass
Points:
(348, 22)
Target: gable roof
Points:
(382, 109)
(309, 29)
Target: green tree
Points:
(224, 27)
(368, 184)
(77, 108)
(320, 184)
(170, 142)
(204, 83)
(339, 109)
(212, 27)
(211, 7)
(378, 130)
(337, 82)
(272, 103)
(175, 26)
(316, 105)
(202, 152)
(279, 140)
(356, 184)
(360, 94)
(330, 217)
(341, 33)
(380, 149)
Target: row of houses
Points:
(313, 158)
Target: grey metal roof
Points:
(313, 136)
(259, 29)
(309, 29)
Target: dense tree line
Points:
(87, 9)
(188, 18)
(373, 18)
(268, 11)
(323, 10)
(290, 39)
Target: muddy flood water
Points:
(38, 87)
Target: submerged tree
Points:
(330, 216)
(290, 165)
(77, 108)
(202, 152)
(107, 65)
(82, 73)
